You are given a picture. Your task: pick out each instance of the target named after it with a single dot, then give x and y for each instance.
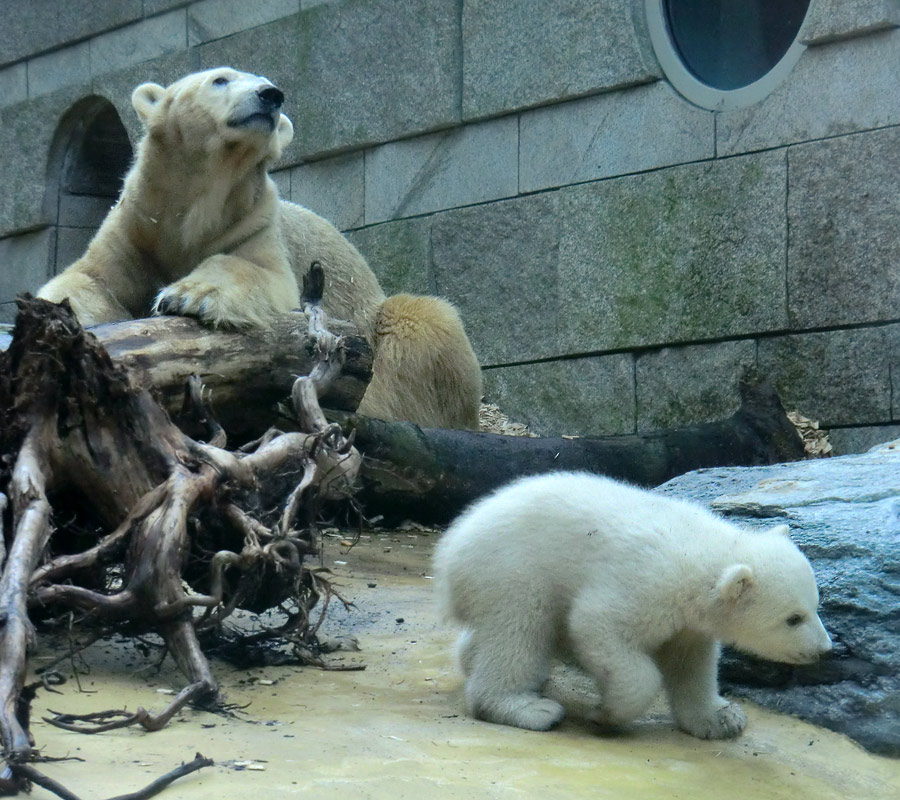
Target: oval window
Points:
(723, 54)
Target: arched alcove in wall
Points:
(88, 160)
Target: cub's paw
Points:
(538, 715)
(725, 722)
(219, 306)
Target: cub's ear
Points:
(284, 132)
(734, 582)
(145, 98)
(781, 530)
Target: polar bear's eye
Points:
(221, 81)
(794, 620)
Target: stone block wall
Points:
(619, 255)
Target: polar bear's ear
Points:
(145, 98)
(284, 132)
(734, 582)
(781, 530)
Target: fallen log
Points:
(245, 372)
(430, 475)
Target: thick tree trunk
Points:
(429, 475)
(245, 372)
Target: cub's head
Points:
(218, 108)
(768, 603)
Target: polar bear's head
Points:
(218, 108)
(769, 600)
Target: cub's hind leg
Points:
(505, 669)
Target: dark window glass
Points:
(728, 44)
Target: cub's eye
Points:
(221, 81)
(794, 620)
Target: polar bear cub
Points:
(636, 588)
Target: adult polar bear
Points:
(636, 587)
(199, 230)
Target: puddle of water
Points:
(399, 728)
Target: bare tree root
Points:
(194, 531)
(26, 772)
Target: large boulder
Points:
(844, 513)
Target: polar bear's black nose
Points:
(271, 97)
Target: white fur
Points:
(636, 587)
(200, 230)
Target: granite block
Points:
(81, 18)
(683, 254)
(678, 386)
(141, 41)
(829, 20)
(846, 441)
(26, 262)
(214, 19)
(399, 254)
(524, 53)
(70, 246)
(334, 188)
(498, 264)
(580, 397)
(467, 165)
(13, 84)
(27, 132)
(844, 217)
(60, 68)
(834, 89)
(373, 71)
(611, 134)
(840, 377)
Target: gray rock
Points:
(844, 513)
(453, 168)
(13, 84)
(141, 41)
(611, 134)
(208, 21)
(26, 261)
(23, 170)
(334, 188)
(846, 441)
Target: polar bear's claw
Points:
(723, 723)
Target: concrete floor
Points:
(399, 728)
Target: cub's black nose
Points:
(271, 96)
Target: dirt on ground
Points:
(399, 728)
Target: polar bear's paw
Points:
(724, 722)
(219, 306)
(527, 710)
(541, 714)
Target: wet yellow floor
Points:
(399, 729)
